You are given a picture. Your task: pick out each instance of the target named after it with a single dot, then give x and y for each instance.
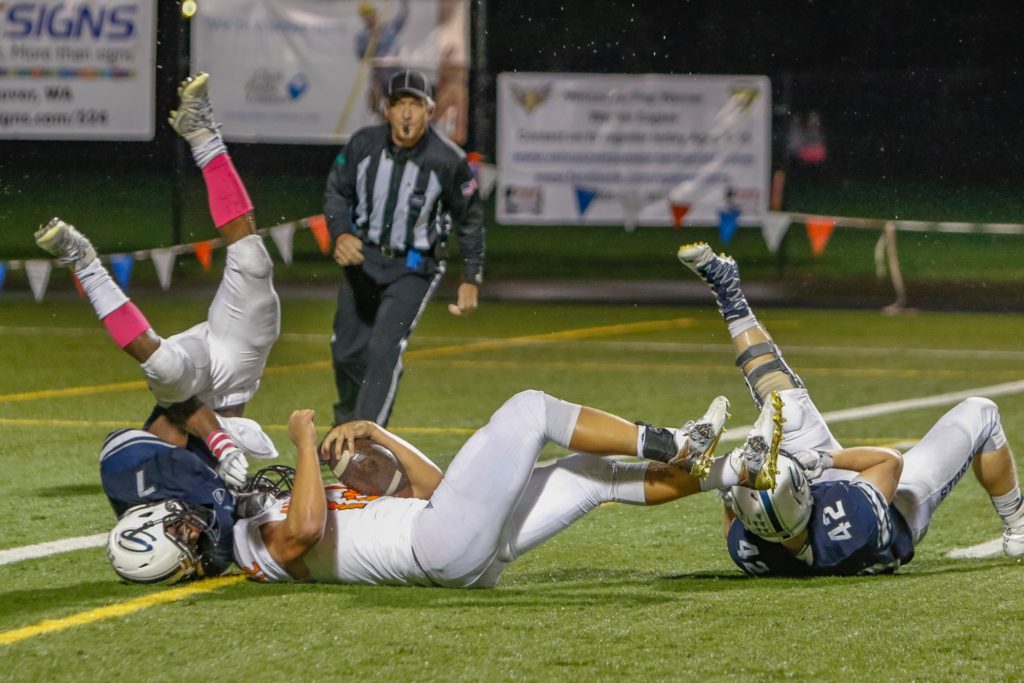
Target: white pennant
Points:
(282, 236)
(163, 261)
(632, 202)
(38, 271)
(773, 228)
(488, 177)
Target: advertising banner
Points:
(307, 71)
(614, 149)
(77, 70)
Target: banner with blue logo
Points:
(651, 149)
(307, 71)
(77, 70)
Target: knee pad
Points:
(165, 371)
(249, 255)
(771, 375)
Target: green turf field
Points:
(627, 594)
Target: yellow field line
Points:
(118, 609)
(71, 391)
(441, 351)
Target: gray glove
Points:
(233, 468)
(813, 462)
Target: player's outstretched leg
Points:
(764, 369)
(759, 454)
(126, 324)
(193, 120)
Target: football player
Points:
(463, 528)
(190, 450)
(220, 361)
(871, 506)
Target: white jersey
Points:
(367, 539)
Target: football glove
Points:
(233, 468)
(813, 462)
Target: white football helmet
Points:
(157, 542)
(779, 513)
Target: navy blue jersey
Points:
(852, 530)
(136, 467)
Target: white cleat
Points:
(66, 243)
(697, 439)
(759, 454)
(696, 256)
(1013, 534)
(193, 119)
(721, 274)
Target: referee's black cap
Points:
(410, 82)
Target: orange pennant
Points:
(318, 224)
(678, 213)
(78, 285)
(819, 230)
(204, 253)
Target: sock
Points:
(206, 150)
(103, 293)
(124, 322)
(741, 325)
(1008, 503)
(220, 442)
(655, 443)
(225, 191)
(721, 476)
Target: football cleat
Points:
(697, 439)
(759, 454)
(722, 275)
(1013, 534)
(193, 119)
(66, 243)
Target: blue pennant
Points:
(122, 264)
(727, 224)
(584, 197)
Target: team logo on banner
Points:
(531, 98)
(744, 97)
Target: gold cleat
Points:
(760, 452)
(700, 437)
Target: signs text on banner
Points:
(307, 71)
(77, 70)
(670, 140)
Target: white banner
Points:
(313, 71)
(571, 146)
(77, 70)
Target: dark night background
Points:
(906, 90)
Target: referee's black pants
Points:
(372, 326)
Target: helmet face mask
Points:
(158, 542)
(265, 488)
(780, 513)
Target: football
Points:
(372, 469)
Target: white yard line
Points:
(975, 552)
(740, 433)
(32, 552)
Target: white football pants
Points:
(930, 469)
(222, 360)
(494, 505)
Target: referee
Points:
(393, 194)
